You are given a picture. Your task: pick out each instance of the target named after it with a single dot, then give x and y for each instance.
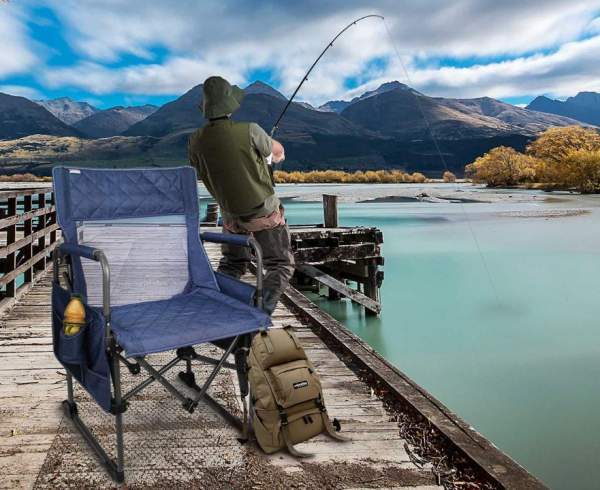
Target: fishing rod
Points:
(289, 102)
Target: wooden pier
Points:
(333, 256)
(396, 427)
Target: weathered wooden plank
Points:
(4, 251)
(340, 287)
(13, 220)
(313, 255)
(13, 274)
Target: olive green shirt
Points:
(230, 158)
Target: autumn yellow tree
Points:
(448, 177)
(569, 157)
(553, 145)
(418, 178)
(579, 170)
(503, 166)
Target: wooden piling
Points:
(212, 214)
(330, 211)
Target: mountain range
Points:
(339, 105)
(68, 110)
(389, 127)
(113, 121)
(585, 107)
(21, 117)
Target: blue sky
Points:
(118, 52)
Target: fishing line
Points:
(443, 160)
(305, 77)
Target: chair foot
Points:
(190, 405)
(189, 379)
(70, 409)
(134, 368)
(117, 476)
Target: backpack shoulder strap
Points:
(288, 444)
(331, 432)
(288, 330)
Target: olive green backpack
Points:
(287, 404)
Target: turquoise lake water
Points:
(516, 351)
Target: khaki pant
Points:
(278, 262)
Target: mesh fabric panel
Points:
(148, 260)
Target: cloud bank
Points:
(465, 48)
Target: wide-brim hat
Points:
(220, 97)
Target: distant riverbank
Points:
(428, 192)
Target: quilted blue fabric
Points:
(125, 193)
(201, 315)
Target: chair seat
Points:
(201, 315)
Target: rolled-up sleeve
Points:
(260, 140)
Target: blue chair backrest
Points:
(147, 223)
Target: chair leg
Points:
(70, 388)
(115, 470)
(189, 379)
(241, 364)
(119, 419)
(216, 369)
(188, 404)
(245, 421)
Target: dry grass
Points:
(24, 178)
(338, 176)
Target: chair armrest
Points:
(93, 254)
(228, 238)
(235, 288)
(242, 241)
(80, 250)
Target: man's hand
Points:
(278, 151)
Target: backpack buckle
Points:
(284, 418)
(320, 404)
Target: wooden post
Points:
(52, 219)
(332, 294)
(42, 221)
(11, 235)
(371, 284)
(212, 213)
(330, 212)
(27, 231)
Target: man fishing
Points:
(231, 159)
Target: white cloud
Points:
(572, 68)
(173, 77)
(15, 56)
(234, 37)
(21, 91)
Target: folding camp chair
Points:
(133, 251)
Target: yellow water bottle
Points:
(74, 316)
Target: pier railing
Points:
(28, 234)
